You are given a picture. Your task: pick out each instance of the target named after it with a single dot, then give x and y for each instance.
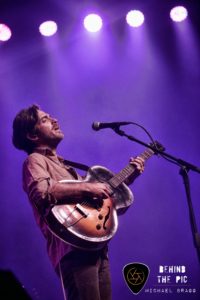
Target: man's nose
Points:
(54, 120)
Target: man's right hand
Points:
(97, 190)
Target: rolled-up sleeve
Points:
(38, 184)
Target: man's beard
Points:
(52, 140)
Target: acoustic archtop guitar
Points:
(90, 224)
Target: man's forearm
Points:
(67, 191)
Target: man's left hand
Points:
(137, 162)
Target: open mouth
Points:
(57, 129)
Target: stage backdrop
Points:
(149, 75)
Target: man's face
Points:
(47, 130)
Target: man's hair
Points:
(24, 124)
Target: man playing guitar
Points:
(66, 205)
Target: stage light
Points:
(48, 28)
(178, 13)
(93, 23)
(135, 18)
(5, 33)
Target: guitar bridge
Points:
(81, 210)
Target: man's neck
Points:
(43, 148)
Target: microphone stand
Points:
(185, 167)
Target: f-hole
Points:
(106, 218)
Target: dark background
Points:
(149, 75)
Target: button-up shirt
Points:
(41, 172)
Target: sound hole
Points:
(98, 227)
(100, 217)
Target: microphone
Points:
(113, 125)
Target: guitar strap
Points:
(81, 167)
(76, 165)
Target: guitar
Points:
(89, 225)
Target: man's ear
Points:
(32, 136)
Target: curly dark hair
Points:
(24, 124)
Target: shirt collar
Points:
(44, 151)
(49, 153)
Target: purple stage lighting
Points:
(5, 33)
(178, 13)
(93, 23)
(135, 18)
(48, 28)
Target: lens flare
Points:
(135, 18)
(48, 28)
(93, 23)
(178, 13)
(5, 33)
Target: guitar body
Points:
(89, 224)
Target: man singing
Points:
(84, 274)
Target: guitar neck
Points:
(125, 173)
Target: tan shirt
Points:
(41, 172)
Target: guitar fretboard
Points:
(124, 174)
